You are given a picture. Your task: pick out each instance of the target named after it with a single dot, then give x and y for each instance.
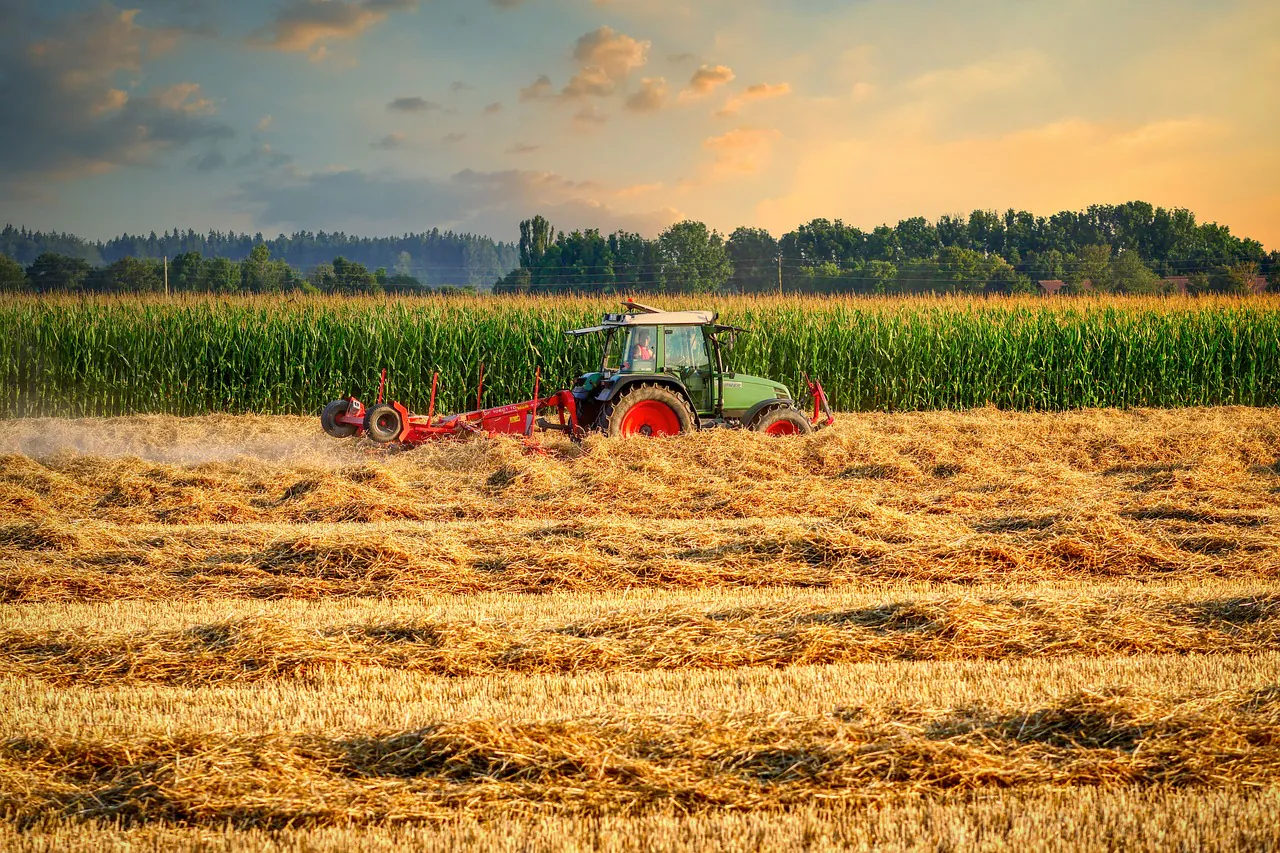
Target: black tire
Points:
(383, 423)
(329, 419)
(614, 413)
(783, 421)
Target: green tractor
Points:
(664, 372)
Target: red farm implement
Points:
(392, 422)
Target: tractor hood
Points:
(742, 391)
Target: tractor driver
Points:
(642, 349)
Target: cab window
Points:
(639, 349)
(687, 350)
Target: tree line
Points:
(432, 258)
(191, 272)
(1129, 248)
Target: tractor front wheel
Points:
(329, 419)
(648, 410)
(383, 423)
(782, 421)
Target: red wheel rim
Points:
(649, 417)
(782, 428)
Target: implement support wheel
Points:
(648, 410)
(383, 424)
(782, 421)
(329, 419)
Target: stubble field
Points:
(912, 631)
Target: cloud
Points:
(651, 95)
(412, 105)
(305, 26)
(522, 148)
(460, 86)
(614, 52)
(589, 118)
(183, 97)
(505, 4)
(209, 162)
(706, 80)
(605, 59)
(758, 92)
(492, 109)
(538, 89)
(390, 142)
(592, 80)
(490, 203)
(453, 138)
(681, 58)
(74, 118)
(743, 150)
(264, 124)
(262, 155)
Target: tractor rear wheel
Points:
(782, 421)
(648, 410)
(329, 419)
(383, 423)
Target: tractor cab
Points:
(663, 372)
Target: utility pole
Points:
(166, 276)
(779, 274)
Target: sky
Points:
(379, 117)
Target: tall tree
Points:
(13, 277)
(535, 236)
(694, 259)
(1130, 275)
(52, 272)
(130, 275)
(221, 275)
(754, 255)
(630, 261)
(187, 272)
(352, 277)
(917, 238)
(254, 271)
(1093, 265)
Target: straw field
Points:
(933, 630)
(202, 355)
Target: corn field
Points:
(113, 356)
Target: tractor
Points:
(661, 373)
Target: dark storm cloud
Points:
(69, 110)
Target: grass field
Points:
(938, 630)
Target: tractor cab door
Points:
(687, 357)
(633, 349)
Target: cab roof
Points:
(643, 315)
(662, 318)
